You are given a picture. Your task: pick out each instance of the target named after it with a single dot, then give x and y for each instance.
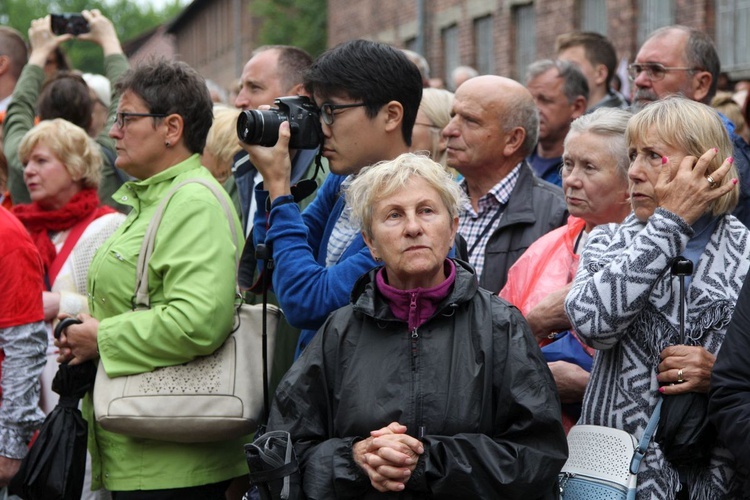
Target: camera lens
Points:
(259, 127)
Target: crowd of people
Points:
(464, 275)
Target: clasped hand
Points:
(388, 456)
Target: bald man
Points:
(495, 126)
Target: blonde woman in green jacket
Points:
(163, 118)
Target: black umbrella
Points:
(55, 466)
(273, 466)
(685, 435)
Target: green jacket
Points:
(192, 290)
(19, 119)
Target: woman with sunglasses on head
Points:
(163, 118)
(627, 302)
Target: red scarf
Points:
(39, 222)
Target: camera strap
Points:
(305, 187)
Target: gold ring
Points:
(711, 181)
(679, 376)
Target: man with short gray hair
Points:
(560, 91)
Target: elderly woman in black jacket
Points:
(425, 386)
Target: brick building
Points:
(216, 37)
(504, 36)
(495, 36)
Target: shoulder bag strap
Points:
(70, 242)
(640, 451)
(140, 298)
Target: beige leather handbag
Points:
(210, 398)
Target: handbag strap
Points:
(648, 434)
(70, 242)
(140, 298)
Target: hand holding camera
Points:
(43, 41)
(100, 31)
(268, 135)
(262, 126)
(68, 22)
(47, 33)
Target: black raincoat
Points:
(472, 377)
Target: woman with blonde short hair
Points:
(627, 300)
(221, 143)
(433, 115)
(62, 169)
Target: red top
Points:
(21, 275)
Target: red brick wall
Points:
(393, 21)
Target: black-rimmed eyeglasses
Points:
(327, 110)
(122, 117)
(654, 71)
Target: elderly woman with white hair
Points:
(595, 181)
(425, 385)
(628, 299)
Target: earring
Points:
(167, 143)
(377, 259)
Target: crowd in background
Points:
(464, 275)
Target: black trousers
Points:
(213, 491)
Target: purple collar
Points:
(419, 304)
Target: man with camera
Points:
(273, 71)
(368, 94)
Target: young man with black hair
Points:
(368, 94)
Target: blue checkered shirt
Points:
(473, 225)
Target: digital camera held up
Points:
(262, 127)
(69, 22)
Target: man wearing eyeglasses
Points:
(682, 60)
(368, 94)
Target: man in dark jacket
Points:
(494, 127)
(471, 380)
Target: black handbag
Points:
(685, 435)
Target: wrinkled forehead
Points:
(667, 49)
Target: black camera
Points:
(262, 127)
(72, 23)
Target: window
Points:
(594, 16)
(484, 46)
(653, 14)
(732, 23)
(450, 51)
(525, 21)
